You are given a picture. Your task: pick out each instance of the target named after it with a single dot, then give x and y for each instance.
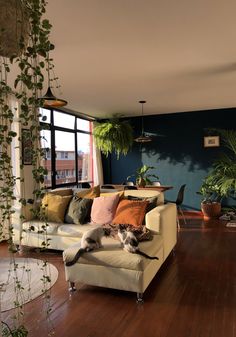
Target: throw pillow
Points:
(89, 193)
(130, 212)
(62, 191)
(109, 194)
(152, 201)
(53, 207)
(104, 208)
(79, 211)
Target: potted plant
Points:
(142, 176)
(114, 135)
(211, 203)
(221, 181)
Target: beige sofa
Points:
(110, 266)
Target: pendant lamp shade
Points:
(143, 138)
(50, 101)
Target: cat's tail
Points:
(147, 256)
(76, 257)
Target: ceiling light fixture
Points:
(49, 100)
(143, 138)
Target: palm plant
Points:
(223, 174)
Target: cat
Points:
(130, 243)
(90, 241)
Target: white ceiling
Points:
(179, 55)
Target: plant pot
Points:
(140, 182)
(211, 209)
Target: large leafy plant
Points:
(221, 181)
(114, 136)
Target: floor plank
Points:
(193, 294)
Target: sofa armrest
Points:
(162, 220)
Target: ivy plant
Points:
(32, 64)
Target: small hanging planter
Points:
(14, 27)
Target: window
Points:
(68, 146)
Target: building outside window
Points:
(68, 145)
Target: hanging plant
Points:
(27, 91)
(114, 136)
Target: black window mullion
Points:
(76, 160)
(53, 154)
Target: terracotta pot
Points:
(211, 209)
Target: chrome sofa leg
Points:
(140, 298)
(72, 287)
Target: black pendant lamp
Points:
(143, 138)
(51, 101)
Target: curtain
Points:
(14, 153)
(97, 165)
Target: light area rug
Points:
(23, 281)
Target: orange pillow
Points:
(130, 212)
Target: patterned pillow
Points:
(79, 211)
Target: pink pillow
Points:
(104, 208)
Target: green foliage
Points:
(27, 90)
(114, 136)
(142, 176)
(20, 331)
(221, 181)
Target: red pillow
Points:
(130, 212)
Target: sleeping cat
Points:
(130, 242)
(90, 241)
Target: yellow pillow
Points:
(109, 194)
(90, 193)
(54, 207)
(62, 191)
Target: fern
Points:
(113, 136)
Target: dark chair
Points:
(130, 187)
(108, 186)
(179, 200)
(85, 185)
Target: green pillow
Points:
(79, 211)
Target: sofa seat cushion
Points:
(36, 226)
(75, 230)
(112, 255)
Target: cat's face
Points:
(107, 231)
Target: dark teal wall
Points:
(177, 151)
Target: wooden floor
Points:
(193, 294)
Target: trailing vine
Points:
(28, 85)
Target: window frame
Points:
(53, 128)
